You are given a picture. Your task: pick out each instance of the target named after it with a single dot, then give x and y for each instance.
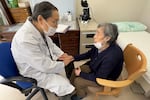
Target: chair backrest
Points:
(135, 62)
(8, 66)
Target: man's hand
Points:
(63, 56)
(66, 56)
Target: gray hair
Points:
(44, 9)
(110, 30)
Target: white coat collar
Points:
(32, 28)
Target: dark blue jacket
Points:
(106, 64)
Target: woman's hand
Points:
(77, 71)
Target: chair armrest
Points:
(19, 78)
(13, 82)
(114, 84)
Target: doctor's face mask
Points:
(51, 30)
(51, 24)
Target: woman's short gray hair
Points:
(110, 30)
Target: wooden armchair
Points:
(135, 65)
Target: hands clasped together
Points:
(67, 59)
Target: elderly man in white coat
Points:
(37, 56)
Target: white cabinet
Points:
(87, 31)
(86, 41)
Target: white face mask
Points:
(51, 30)
(98, 45)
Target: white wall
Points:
(107, 10)
(62, 5)
(114, 10)
(145, 18)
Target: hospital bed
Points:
(141, 40)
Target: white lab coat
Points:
(33, 60)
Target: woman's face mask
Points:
(51, 30)
(98, 45)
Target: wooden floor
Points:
(126, 94)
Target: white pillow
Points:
(130, 26)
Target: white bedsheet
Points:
(140, 40)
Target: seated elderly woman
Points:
(106, 60)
